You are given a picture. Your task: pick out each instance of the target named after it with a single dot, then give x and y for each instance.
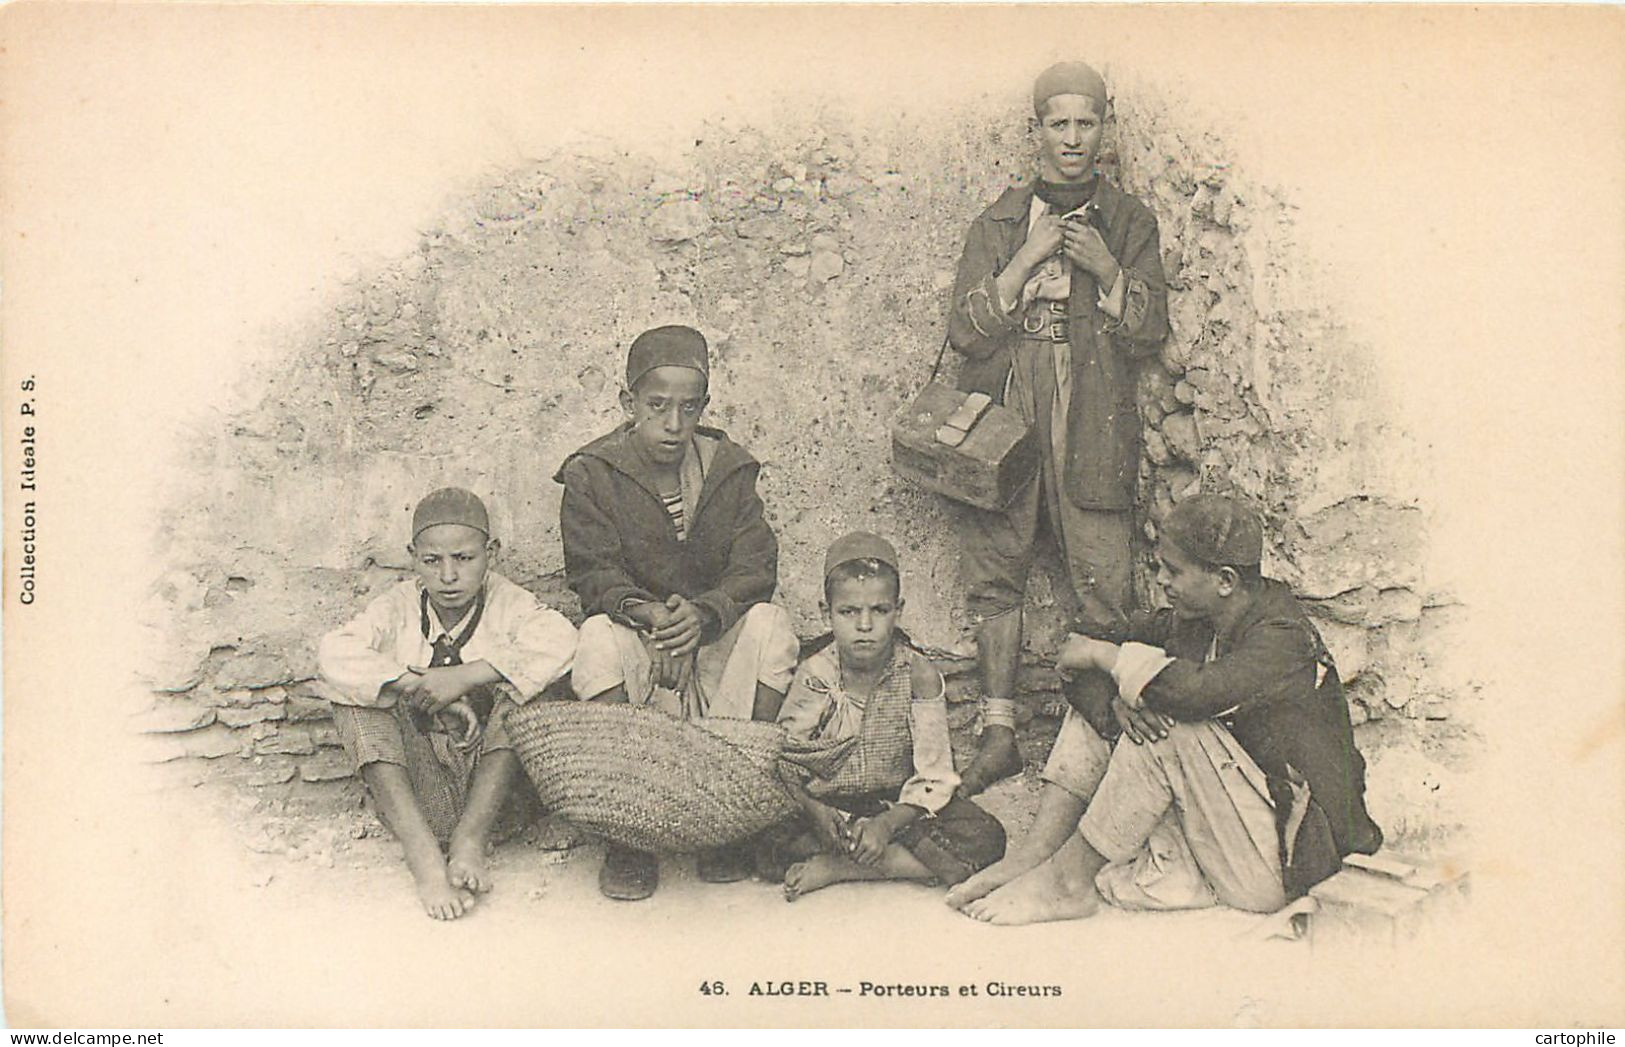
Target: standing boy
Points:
(1060, 288)
(887, 809)
(1240, 785)
(456, 646)
(666, 545)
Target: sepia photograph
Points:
(784, 516)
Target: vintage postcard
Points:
(775, 516)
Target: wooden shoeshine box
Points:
(996, 457)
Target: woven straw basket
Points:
(647, 780)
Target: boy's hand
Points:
(1079, 653)
(434, 689)
(1141, 725)
(829, 825)
(870, 838)
(460, 722)
(680, 635)
(1043, 239)
(1087, 251)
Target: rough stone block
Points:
(233, 716)
(252, 669)
(208, 743)
(1180, 432)
(327, 765)
(293, 741)
(679, 219)
(173, 717)
(258, 772)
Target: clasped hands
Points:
(1081, 654)
(671, 633)
(439, 692)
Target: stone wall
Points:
(816, 254)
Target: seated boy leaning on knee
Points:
(666, 545)
(882, 805)
(1241, 786)
(421, 683)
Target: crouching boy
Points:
(1239, 784)
(666, 545)
(421, 683)
(887, 810)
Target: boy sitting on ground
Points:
(1242, 785)
(887, 810)
(425, 676)
(666, 545)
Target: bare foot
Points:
(441, 899)
(1052, 891)
(988, 880)
(466, 866)
(820, 871)
(997, 758)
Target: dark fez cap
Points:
(1216, 529)
(669, 346)
(451, 505)
(859, 545)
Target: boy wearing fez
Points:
(886, 809)
(421, 683)
(666, 545)
(1059, 289)
(1241, 785)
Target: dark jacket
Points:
(620, 544)
(1103, 423)
(1273, 684)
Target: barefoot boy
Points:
(455, 647)
(1059, 290)
(665, 543)
(1241, 785)
(871, 688)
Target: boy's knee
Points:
(768, 629)
(986, 839)
(597, 666)
(768, 621)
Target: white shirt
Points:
(530, 644)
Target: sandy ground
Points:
(252, 910)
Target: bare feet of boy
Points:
(440, 898)
(996, 759)
(821, 871)
(988, 880)
(466, 865)
(1060, 889)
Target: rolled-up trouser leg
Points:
(1220, 802)
(760, 648)
(956, 842)
(438, 775)
(1078, 759)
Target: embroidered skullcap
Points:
(1217, 530)
(1069, 78)
(450, 505)
(669, 346)
(859, 545)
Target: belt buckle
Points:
(1057, 331)
(1057, 306)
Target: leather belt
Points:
(1045, 322)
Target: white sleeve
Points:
(935, 779)
(357, 659)
(1137, 665)
(533, 644)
